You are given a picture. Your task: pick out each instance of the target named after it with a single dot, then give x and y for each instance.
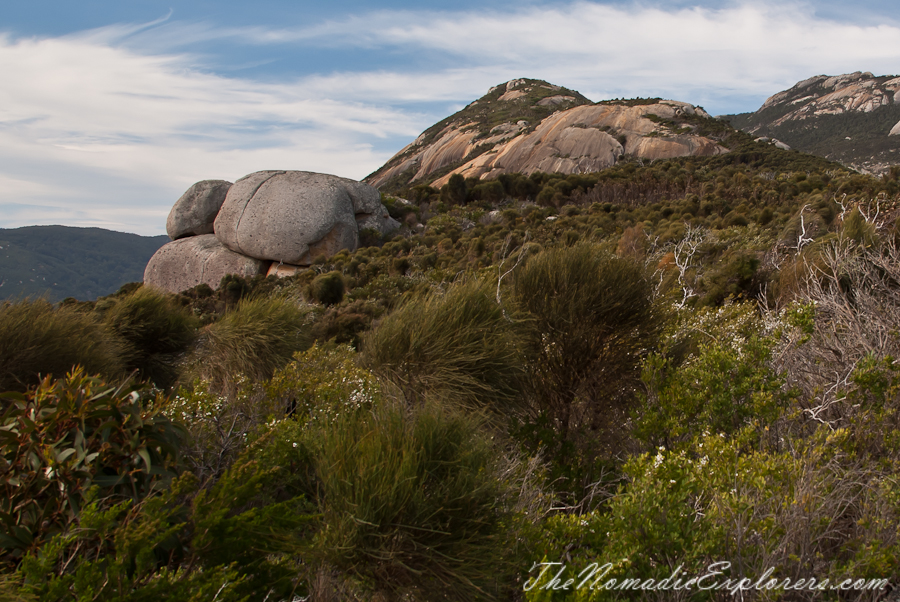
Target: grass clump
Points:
(39, 339)
(253, 340)
(410, 500)
(157, 327)
(456, 344)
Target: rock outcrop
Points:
(273, 222)
(545, 128)
(850, 118)
(187, 262)
(195, 212)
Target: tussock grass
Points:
(410, 498)
(157, 327)
(253, 340)
(455, 344)
(39, 339)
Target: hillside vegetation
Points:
(59, 261)
(659, 366)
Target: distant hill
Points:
(526, 126)
(60, 261)
(853, 119)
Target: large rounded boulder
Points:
(195, 212)
(187, 262)
(293, 216)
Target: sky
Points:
(110, 110)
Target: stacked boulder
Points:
(269, 222)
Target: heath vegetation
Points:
(656, 366)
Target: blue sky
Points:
(109, 110)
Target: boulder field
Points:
(269, 222)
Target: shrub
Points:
(253, 340)
(456, 344)
(157, 327)
(68, 435)
(232, 541)
(409, 498)
(38, 339)
(590, 321)
(327, 289)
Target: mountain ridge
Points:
(56, 262)
(527, 125)
(852, 118)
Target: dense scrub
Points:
(653, 368)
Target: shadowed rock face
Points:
(187, 262)
(571, 136)
(195, 212)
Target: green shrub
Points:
(253, 340)
(327, 289)
(233, 541)
(410, 501)
(157, 328)
(590, 321)
(65, 436)
(38, 339)
(456, 344)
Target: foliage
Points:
(725, 384)
(157, 328)
(256, 338)
(410, 500)
(65, 436)
(37, 339)
(327, 289)
(590, 318)
(227, 542)
(457, 344)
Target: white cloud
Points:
(109, 126)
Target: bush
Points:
(327, 289)
(457, 344)
(590, 321)
(253, 340)
(38, 339)
(157, 327)
(233, 541)
(68, 435)
(409, 498)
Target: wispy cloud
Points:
(109, 126)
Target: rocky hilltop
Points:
(852, 118)
(527, 125)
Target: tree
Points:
(591, 318)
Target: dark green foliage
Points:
(457, 191)
(59, 261)
(410, 499)
(455, 344)
(590, 321)
(157, 328)
(38, 339)
(327, 289)
(68, 435)
(231, 542)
